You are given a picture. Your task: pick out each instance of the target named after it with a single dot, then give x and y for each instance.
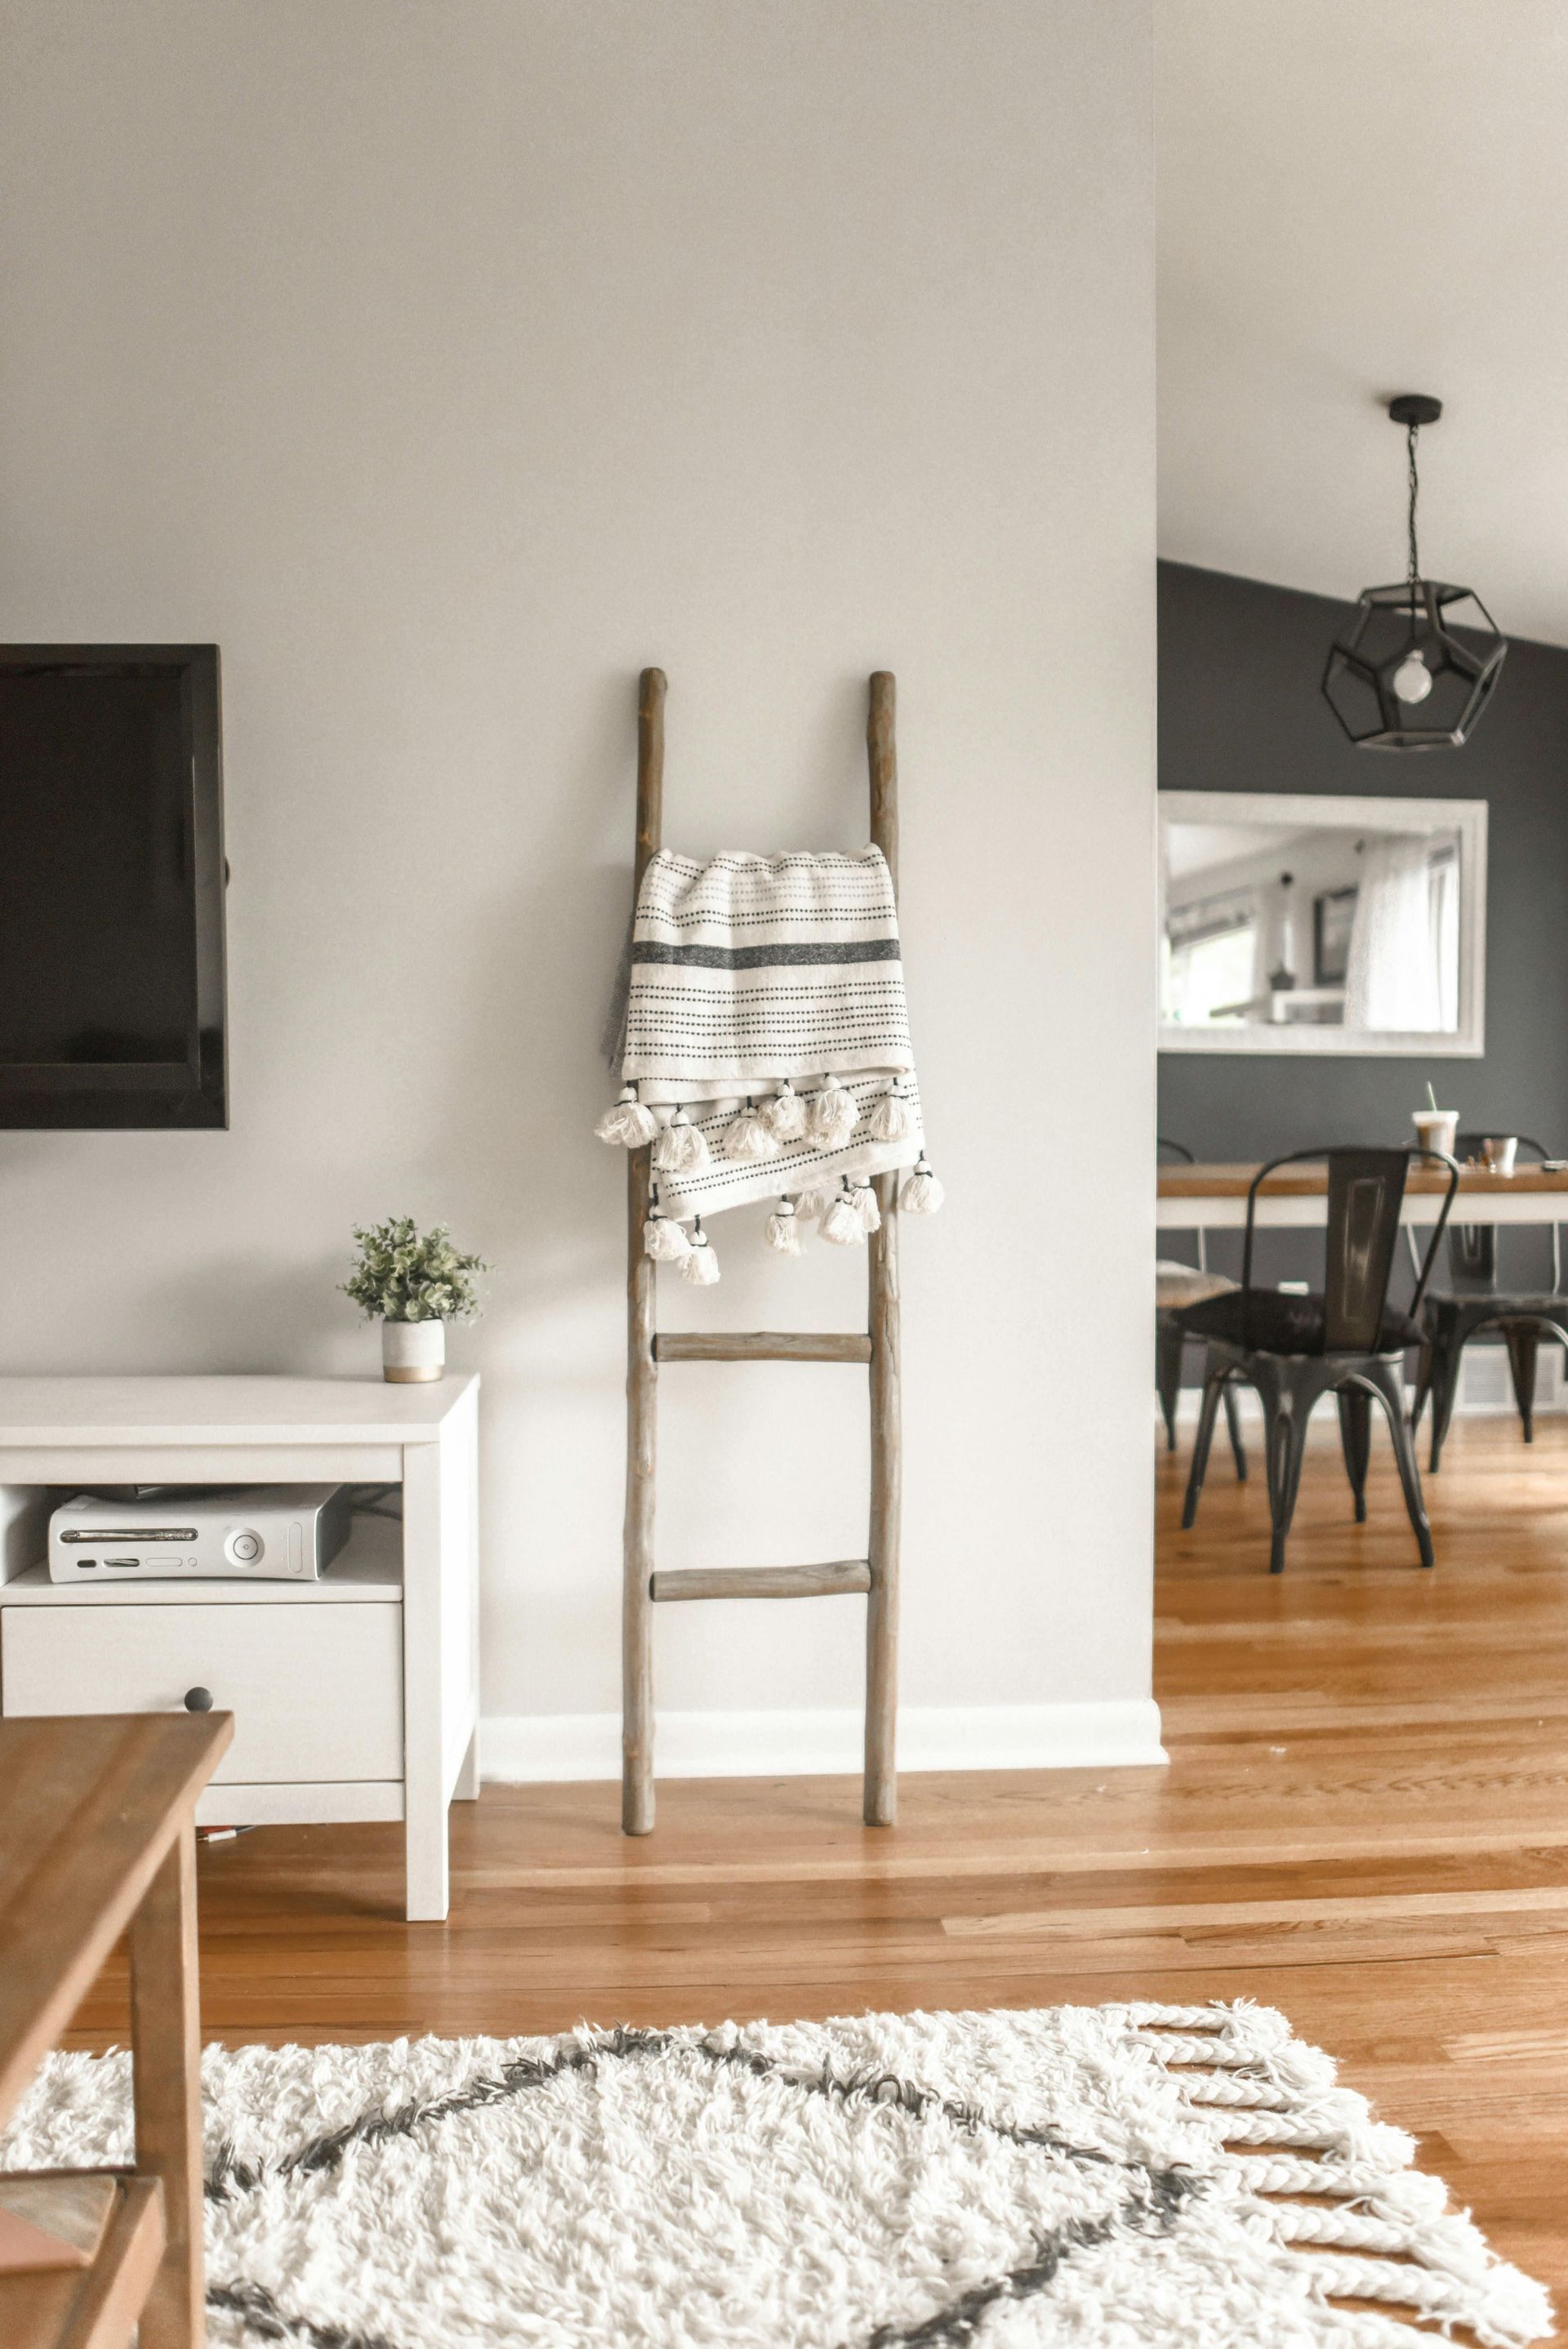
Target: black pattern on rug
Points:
(668, 2197)
(229, 2175)
(268, 2322)
(954, 2326)
(1152, 2209)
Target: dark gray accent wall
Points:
(1240, 710)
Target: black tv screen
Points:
(112, 1005)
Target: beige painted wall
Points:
(445, 363)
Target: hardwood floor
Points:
(1364, 1822)
(1399, 1742)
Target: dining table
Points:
(1213, 1197)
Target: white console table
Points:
(356, 1697)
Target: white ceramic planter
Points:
(413, 1352)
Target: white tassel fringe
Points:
(1380, 2230)
(831, 1115)
(923, 1193)
(864, 1198)
(891, 1118)
(682, 1147)
(699, 1265)
(627, 1122)
(843, 1224)
(749, 1134)
(785, 1113)
(664, 1239)
(782, 1230)
(816, 1199)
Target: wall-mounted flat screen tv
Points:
(112, 997)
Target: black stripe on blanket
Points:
(645, 950)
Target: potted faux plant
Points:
(414, 1283)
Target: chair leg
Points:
(1523, 1339)
(1233, 1427)
(1168, 1343)
(1356, 1442)
(1388, 1384)
(1423, 1376)
(1446, 1352)
(1213, 1387)
(1286, 1445)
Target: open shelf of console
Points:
(369, 1567)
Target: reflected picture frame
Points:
(1308, 810)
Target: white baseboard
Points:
(538, 1748)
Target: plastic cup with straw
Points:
(1436, 1129)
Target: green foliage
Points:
(402, 1274)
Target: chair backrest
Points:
(1366, 1192)
(1473, 1247)
(1163, 1145)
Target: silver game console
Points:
(291, 1531)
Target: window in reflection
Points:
(1331, 925)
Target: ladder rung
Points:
(762, 1346)
(762, 1582)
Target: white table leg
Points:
(424, 1790)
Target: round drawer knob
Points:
(198, 1700)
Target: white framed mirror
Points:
(1294, 923)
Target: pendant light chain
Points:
(1411, 430)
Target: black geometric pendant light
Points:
(1418, 665)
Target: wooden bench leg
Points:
(166, 2049)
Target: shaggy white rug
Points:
(1112, 2177)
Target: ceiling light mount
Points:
(1420, 647)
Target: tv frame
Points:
(161, 1096)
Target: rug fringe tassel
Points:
(1286, 2125)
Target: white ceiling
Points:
(1200, 847)
(1357, 198)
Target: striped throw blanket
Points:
(764, 1040)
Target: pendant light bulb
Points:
(1412, 681)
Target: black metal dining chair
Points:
(1177, 1285)
(1348, 1341)
(1474, 1299)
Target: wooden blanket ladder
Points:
(876, 1349)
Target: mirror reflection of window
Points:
(1302, 925)
(1211, 967)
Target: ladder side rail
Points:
(882, 1320)
(642, 1372)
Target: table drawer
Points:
(317, 1691)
